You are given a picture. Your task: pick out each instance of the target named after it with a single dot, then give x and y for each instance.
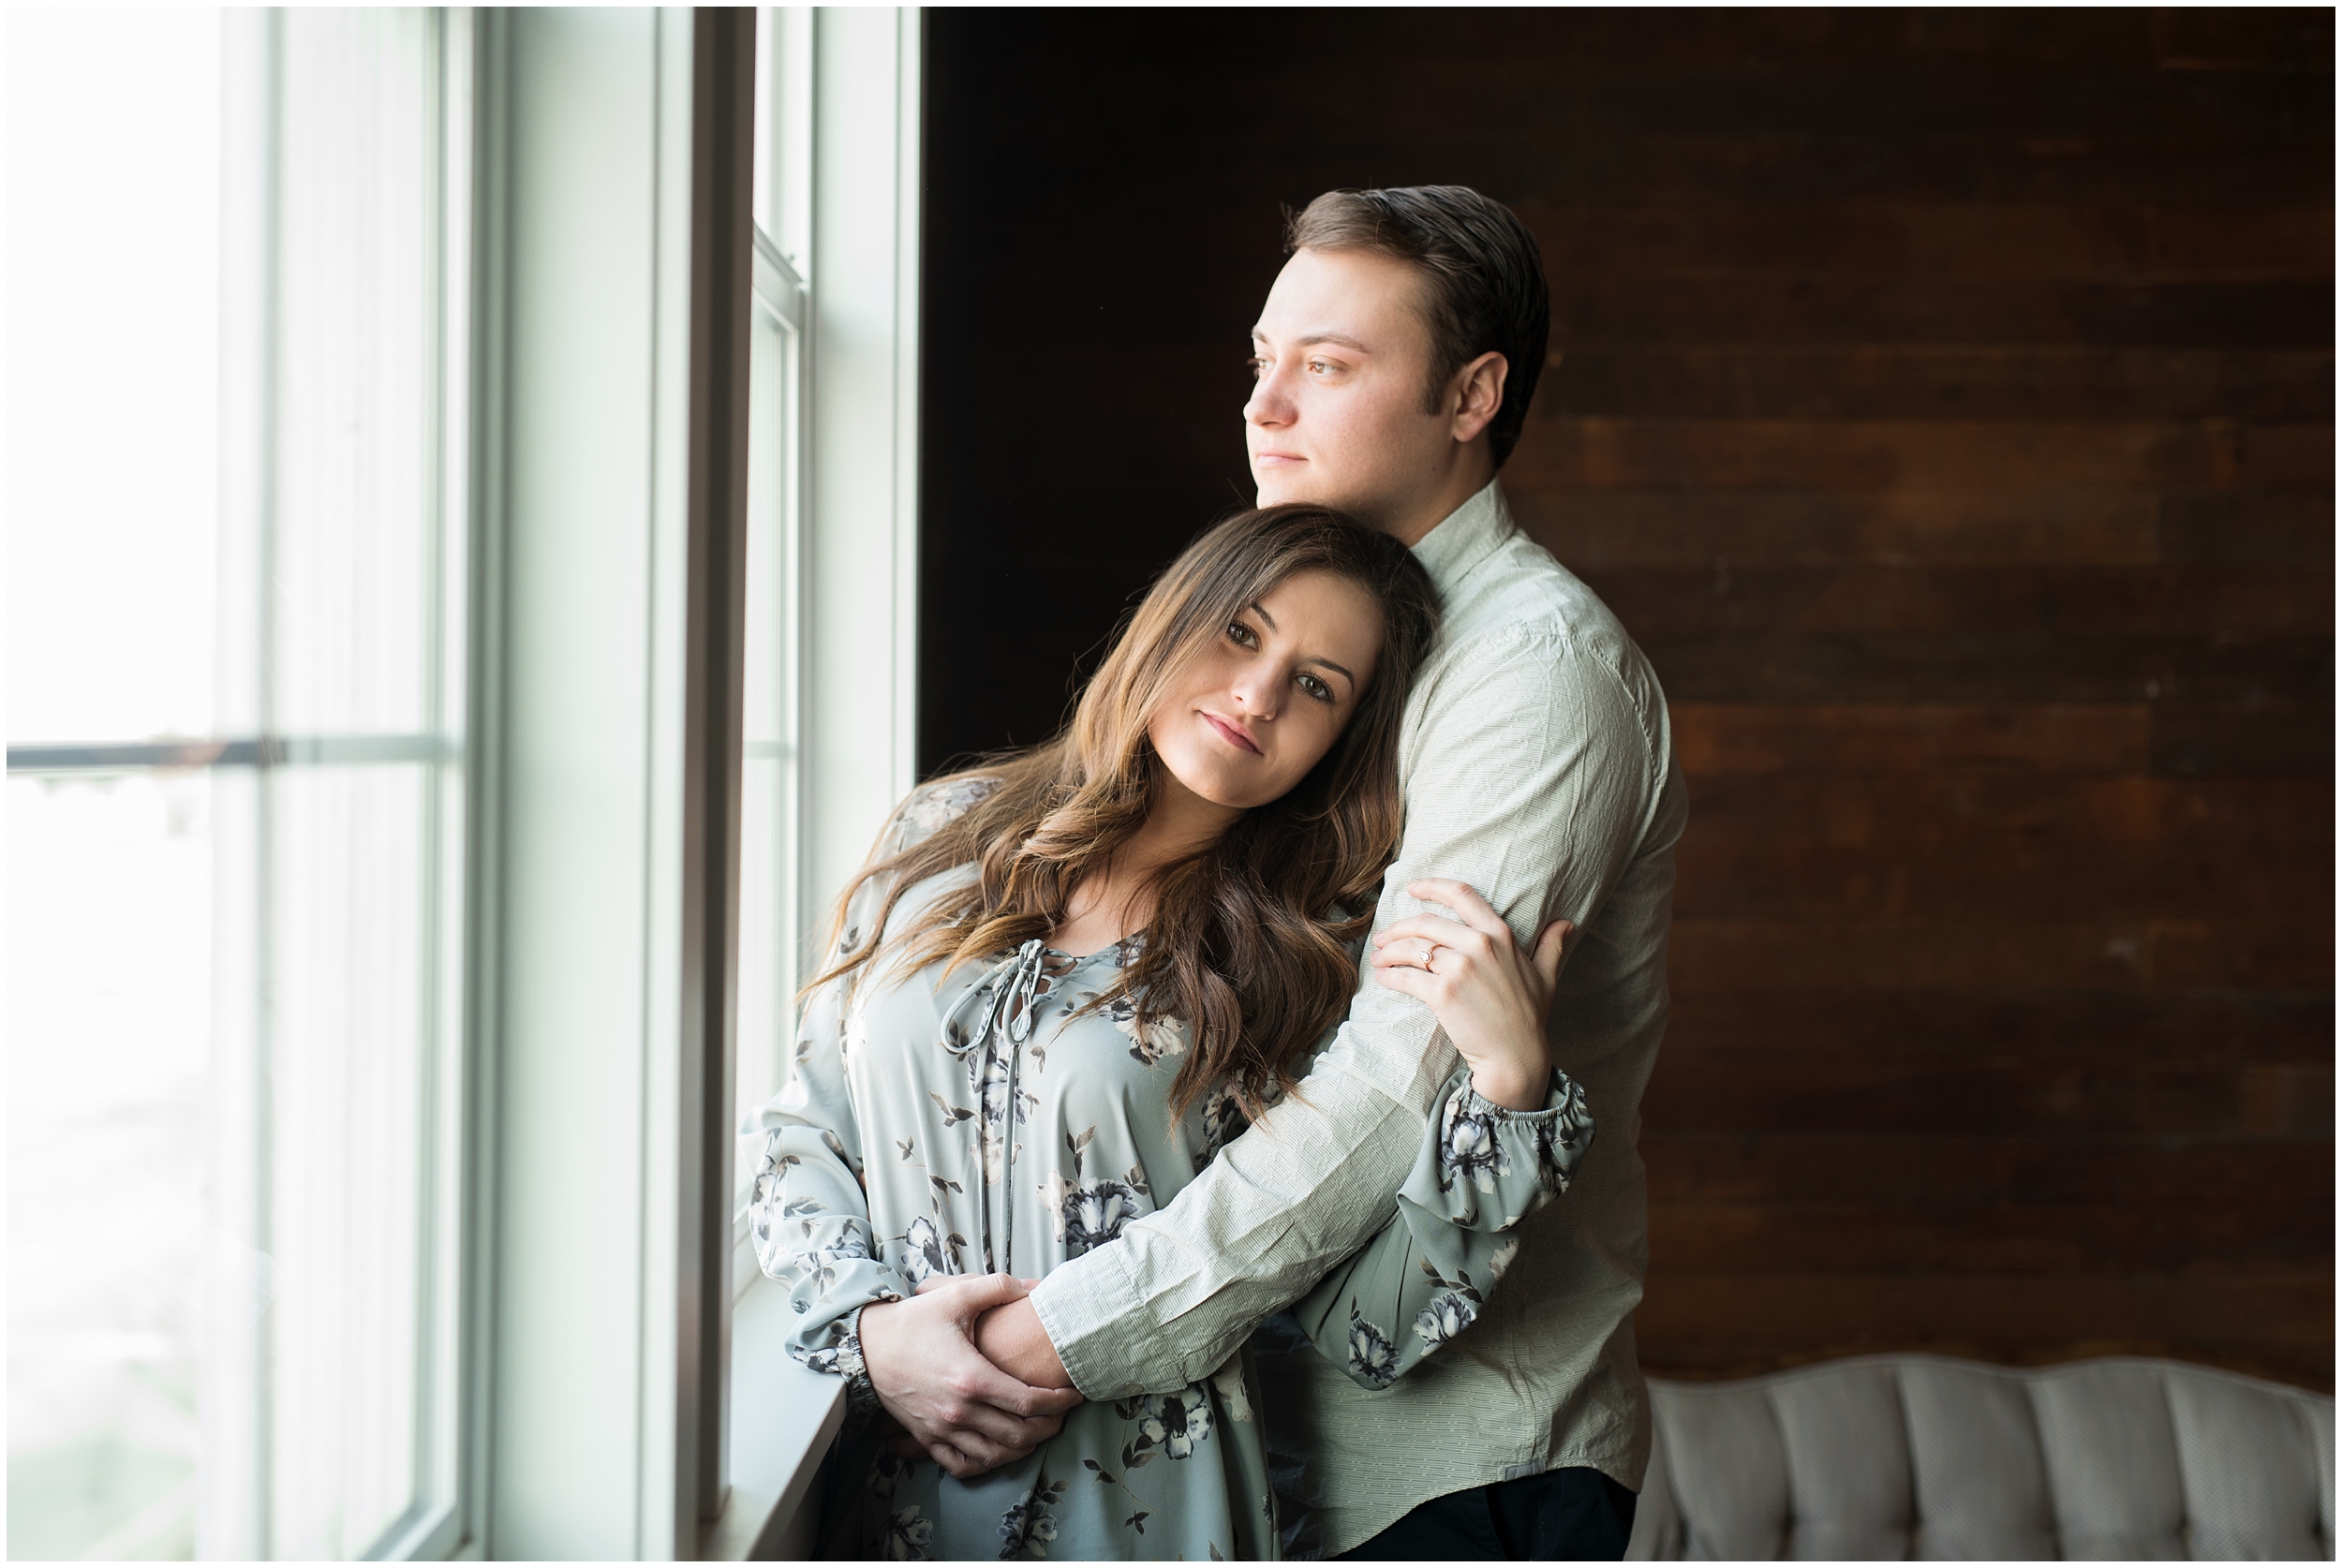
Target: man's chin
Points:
(1285, 489)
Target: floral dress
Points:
(982, 1123)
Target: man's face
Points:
(1341, 358)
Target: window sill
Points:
(784, 1417)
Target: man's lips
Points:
(1278, 457)
(1231, 734)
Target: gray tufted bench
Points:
(1927, 1456)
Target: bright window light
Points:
(236, 606)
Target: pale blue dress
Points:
(981, 1122)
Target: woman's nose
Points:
(1256, 694)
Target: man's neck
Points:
(1466, 478)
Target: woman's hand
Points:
(1488, 992)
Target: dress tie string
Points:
(1008, 988)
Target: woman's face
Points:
(1257, 708)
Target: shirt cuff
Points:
(1561, 1094)
(1086, 1307)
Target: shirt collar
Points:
(1465, 538)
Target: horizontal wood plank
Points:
(1604, 310)
(1713, 1093)
(1590, 530)
(2011, 953)
(1934, 1172)
(1980, 1027)
(2249, 674)
(2004, 378)
(1821, 1240)
(1942, 741)
(1966, 242)
(2200, 599)
(1797, 880)
(1608, 453)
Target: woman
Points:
(1060, 985)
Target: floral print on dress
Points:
(841, 1243)
(841, 1354)
(1450, 1313)
(1469, 1148)
(1029, 1525)
(1151, 1039)
(1561, 1140)
(908, 1532)
(995, 1097)
(1092, 1214)
(1223, 1118)
(1172, 1423)
(1228, 1382)
(1374, 1360)
(930, 1250)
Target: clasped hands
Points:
(964, 1368)
(937, 1363)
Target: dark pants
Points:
(1564, 1516)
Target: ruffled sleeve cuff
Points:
(1486, 1168)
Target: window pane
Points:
(352, 560)
(768, 923)
(349, 1060)
(110, 990)
(113, 193)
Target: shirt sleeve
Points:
(808, 1212)
(807, 1215)
(1481, 1170)
(1530, 770)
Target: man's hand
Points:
(966, 1413)
(1488, 992)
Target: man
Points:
(1395, 359)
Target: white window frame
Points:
(588, 1345)
(845, 136)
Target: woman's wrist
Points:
(1511, 1086)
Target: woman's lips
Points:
(1231, 734)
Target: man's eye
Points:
(1259, 366)
(1318, 367)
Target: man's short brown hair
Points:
(1485, 280)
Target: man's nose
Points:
(1269, 405)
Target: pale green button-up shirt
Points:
(1537, 767)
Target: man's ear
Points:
(1475, 395)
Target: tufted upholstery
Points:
(1926, 1457)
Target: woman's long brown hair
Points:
(1247, 941)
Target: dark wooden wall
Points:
(1944, 401)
